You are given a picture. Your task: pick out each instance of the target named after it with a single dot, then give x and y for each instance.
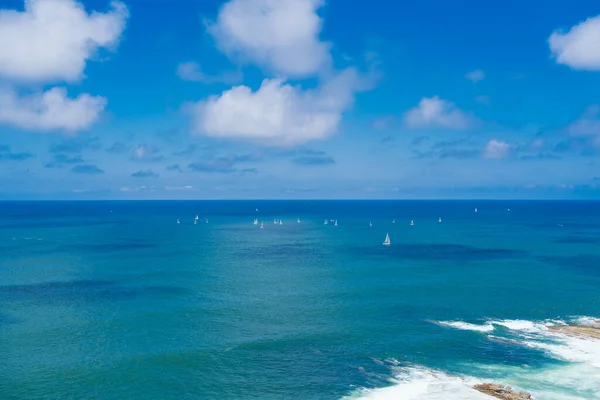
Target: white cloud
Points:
(278, 113)
(587, 125)
(178, 188)
(579, 48)
(497, 149)
(137, 189)
(435, 112)
(191, 71)
(50, 110)
(52, 39)
(281, 36)
(475, 76)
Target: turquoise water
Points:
(114, 300)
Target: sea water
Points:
(115, 300)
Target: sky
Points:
(299, 99)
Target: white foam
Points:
(465, 326)
(419, 383)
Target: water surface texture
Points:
(115, 300)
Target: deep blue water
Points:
(115, 300)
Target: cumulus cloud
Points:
(579, 47)
(314, 160)
(51, 40)
(434, 112)
(174, 167)
(60, 160)
(145, 152)
(587, 125)
(145, 173)
(475, 76)
(278, 113)
(191, 71)
(281, 36)
(86, 169)
(7, 155)
(497, 149)
(50, 110)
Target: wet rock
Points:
(501, 392)
(591, 331)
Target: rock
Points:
(501, 392)
(583, 331)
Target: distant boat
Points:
(508, 209)
(387, 242)
(262, 225)
(394, 221)
(440, 219)
(475, 209)
(275, 221)
(335, 224)
(280, 222)
(326, 222)
(412, 223)
(370, 223)
(255, 221)
(257, 209)
(178, 221)
(195, 221)
(298, 220)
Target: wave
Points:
(421, 383)
(573, 377)
(466, 326)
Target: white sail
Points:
(387, 241)
(440, 219)
(412, 223)
(298, 220)
(280, 222)
(394, 221)
(255, 221)
(196, 217)
(178, 220)
(262, 225)
(195, 221)
(275, 221)
(326, 222)
(475, 209)
(335, 224)
(370, 223)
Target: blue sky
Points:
(299, 99)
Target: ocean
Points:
(115, 300)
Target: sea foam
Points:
(575, 379)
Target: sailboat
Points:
(370, 223)
(262, 225)
(387, 242)
(275, 221)
(412, 223)
(394, 221)
(475, 209)
(298, 220)
(280, 222)
(335, 224)
(178, 221)
(440, 219)
(195, 221)
(255, 221)
(326, 222)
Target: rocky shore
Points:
(591, 331)
(501, 392)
